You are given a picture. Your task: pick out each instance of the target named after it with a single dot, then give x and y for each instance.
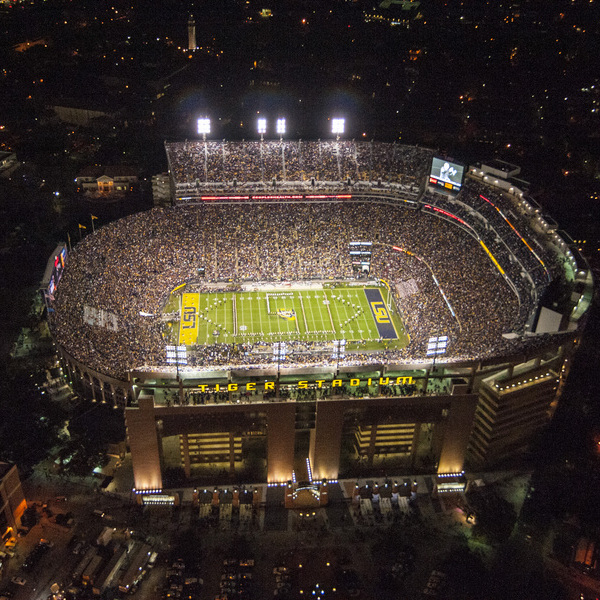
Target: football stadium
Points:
(306, 311)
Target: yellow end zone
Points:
(188, 327)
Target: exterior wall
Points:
(456, 437)
(144, 444)
(281, 431)
(327, 439)
(494, 424)
(509, 413)
(82, 379)
(12, 499)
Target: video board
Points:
(57, 271)
(447, 175)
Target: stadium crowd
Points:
(195, 163)
(130, 267)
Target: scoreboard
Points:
(446, 175)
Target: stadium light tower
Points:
(261, 126)
(279, 355)
(338, 353)
(281, 132)
(337, 127)
(436, 346)
(204, 127)
(281, 128)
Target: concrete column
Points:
(281, 432)
(93, 387)
(457, 432)
(143, 443)
(327, 440)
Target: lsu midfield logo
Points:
(380, 312)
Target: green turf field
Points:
(285, 314)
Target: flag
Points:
(82, 226)
(93, 217)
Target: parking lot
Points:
(364, 537)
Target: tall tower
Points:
(192, 33)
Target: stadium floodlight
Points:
(338, 353)
(261, 126)
(436, 346)
(338, 126)
(281, 127)
(176, 355)
(204, 126)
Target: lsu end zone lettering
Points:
(188, 326)
(382, 317)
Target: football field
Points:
(362, 316)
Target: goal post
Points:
(388, 297)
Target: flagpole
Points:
(92, 219)
(69, 239)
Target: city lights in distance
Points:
(261, 126)
(337, 126)
(204, 126)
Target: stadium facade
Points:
(479, 266)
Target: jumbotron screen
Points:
(57, 271)
(446, 174)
